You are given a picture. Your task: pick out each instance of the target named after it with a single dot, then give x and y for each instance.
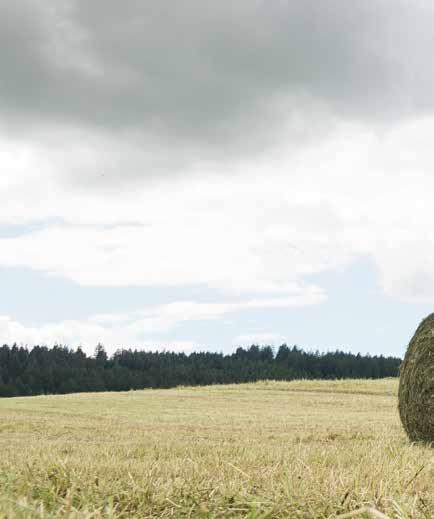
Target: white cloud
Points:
(263, 229)
(290, 145)
(138, 329)
(87, 334)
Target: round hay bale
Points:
(416, 384)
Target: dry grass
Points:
(271, 449)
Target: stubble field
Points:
(302, 449)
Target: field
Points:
(271, 449)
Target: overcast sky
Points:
(202, 175)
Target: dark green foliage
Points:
(61, 370)
(416, 384)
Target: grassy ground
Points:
(271, 449)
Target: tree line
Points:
(58, 370)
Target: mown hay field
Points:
(301, 449)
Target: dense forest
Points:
(43, 370)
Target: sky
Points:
(202, 175)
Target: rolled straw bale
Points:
(416, 384)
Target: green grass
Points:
(270, 449)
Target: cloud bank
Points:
(241, 146)
(180, 83)
(135, 330)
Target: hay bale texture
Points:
(416, 385)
